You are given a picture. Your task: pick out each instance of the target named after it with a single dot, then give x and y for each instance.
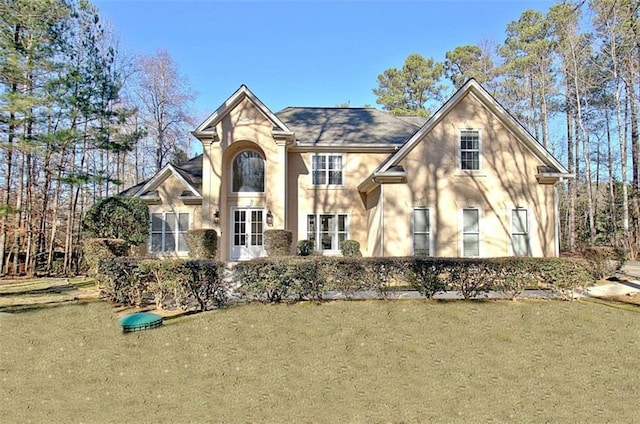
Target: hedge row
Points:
(185, 283)
(169, 284)
(275, 280)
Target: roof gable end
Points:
(227, 106)
(161, 176)
(473, 87)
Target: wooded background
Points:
(80, 120)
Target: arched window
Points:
(248, 172)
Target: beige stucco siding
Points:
(506, 179)
(305, 198)
(169, 192)
(243, 128)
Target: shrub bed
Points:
(275, 280)
(167, 283)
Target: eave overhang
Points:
(339, 148)
(378, 178)
(553, 177)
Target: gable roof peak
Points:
(243, 92)
(473, 86)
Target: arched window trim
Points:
(232, 183)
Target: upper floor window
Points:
(326, 169)
(169, 232)
(470, 150)
(248, 172)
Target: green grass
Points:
(26, 293)
(364, 361)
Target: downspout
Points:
(382, 220)
(556, 219)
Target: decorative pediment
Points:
(206, 131)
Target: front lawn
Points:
(359, 361)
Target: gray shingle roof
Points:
(190, 170)
(347, 126)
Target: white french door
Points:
(247, 233)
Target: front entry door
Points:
(247, 228)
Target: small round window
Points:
(248, 172)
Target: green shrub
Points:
(119, 217)
(264, 280)
(565, 276)
(97, 249)
(604, 261)
(304, 247)
(277, 242)
(121, 281)
(202, 243)
(344, 275)
(287, 279)
(425, 275)
(469, 277)
(350, 248)
(168, 283)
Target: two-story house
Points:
(468, 181)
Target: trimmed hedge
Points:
(202, 243)
(97, 249)
(277, 242)
(304, 248)
(277, 280)
(167, 283)
(350, 248)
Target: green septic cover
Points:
(140, 321)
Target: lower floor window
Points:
(421, 232)
(520, 232)
(470, 232)
(327, 231)
(169, 232)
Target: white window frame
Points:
(335, 240)
(428, 233)
(462, 232)
(327, 170)
(231, 175)
(460, 150)
(176, 232)
(527, 233)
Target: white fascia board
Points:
(240, 94)
(163, 175)
(484, 97)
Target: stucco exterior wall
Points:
(506, 180)
(305, 198)
(243, 128)
(169, 192)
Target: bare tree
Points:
(164, 98)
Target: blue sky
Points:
(302, 53)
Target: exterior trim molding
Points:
(472, 87)
(204, 129)
(164, 173)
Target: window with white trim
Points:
(327, 231)
(470, 150)
(248, 172)
(520, 232)
(421, 232)
(326, 169)
(471, 232)
(169, 232)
